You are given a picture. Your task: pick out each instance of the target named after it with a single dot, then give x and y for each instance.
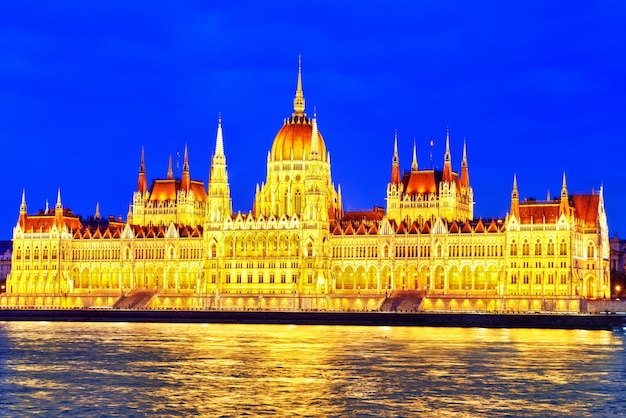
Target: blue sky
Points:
(536, 88)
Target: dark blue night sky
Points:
(535, 88)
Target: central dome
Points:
(293, 140)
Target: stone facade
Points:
(297, 249)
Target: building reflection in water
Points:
(219, 369)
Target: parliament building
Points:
(182, 247)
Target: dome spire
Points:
(414, 164)
(298, 102)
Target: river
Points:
(155, 369)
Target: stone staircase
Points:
(137, 299)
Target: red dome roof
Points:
(295, 135)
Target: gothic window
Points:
(309, 250)
(286, 204)
(550, 247)
(213, 278)
(513, 248)
(298, 203)
(513, 279)
(213, 252)
(249, 277)
(550, 278)
(283, 278)
(538, 248)
(227, 277)
(563, 248)
(525, 248)
(526, 278)
(563, 278)
(590, 250)
(538, 279)
(272, 278)
(309, 278)
(260, 277)
(386, 251)
(45, 252)
(294, 278)
(36, 253)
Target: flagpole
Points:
(432, 143)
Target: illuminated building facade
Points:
(296, 249)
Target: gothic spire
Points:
(564, 206)
(23, 205)
(414, 164)
(219, 140)
(186, 179)
(142, 185)
(447, 163)
(170, 172)
(59, 205)
(315, 146)
(464, 168)
(395, 164)
(515, 199)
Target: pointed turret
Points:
(395, 164)
(298, 101)
(142, 185)
(564, 198)
(464, 169)
(515, 199)
(315, 142)
(97, 214)
(23, 214)
(414, 163)
(186, 180)
(59, 205)
(447, 161)
(170, 172)
(129, 215)
(58, 210)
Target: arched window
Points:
(309, 249)
(513, 248)
(538, 247)
(563, 248)
(550, 247)
(525, 248)
(590, 250)
(261, 278)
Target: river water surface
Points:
(134, 369)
